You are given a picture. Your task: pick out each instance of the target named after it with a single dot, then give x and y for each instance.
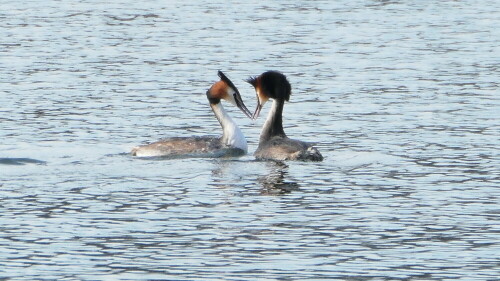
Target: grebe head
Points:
(225, 90)
(270, 85)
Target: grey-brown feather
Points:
(191, 146)
(284, 148)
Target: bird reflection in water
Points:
(277, 181)
(274, 183)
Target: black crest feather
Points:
(224, 78)
(276, 85)
(252, 80)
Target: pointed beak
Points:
(257, 110)
(241, 105)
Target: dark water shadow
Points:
(21, 161)
(275, 182)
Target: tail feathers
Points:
(311, 154)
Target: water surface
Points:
(401, 98)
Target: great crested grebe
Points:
(274, 144)
(232, 142)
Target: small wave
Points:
(351, 159)
(21, 161)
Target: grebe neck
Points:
(232, 135)
(274, 122)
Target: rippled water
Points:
(401, 96)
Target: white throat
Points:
(232, 135)
(270, 117)
(273, 125)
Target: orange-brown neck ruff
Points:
(219, 90)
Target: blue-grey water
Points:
(401, 97)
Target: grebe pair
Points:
(273, 144)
